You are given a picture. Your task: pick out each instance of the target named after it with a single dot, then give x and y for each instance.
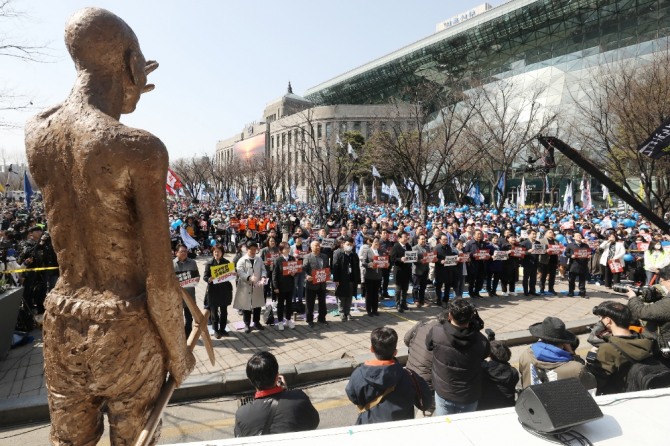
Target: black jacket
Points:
(346, 271)
(530, 259)
(444, 273)
(457, 357)
(279, 280)
(401, 270)
(419, 358)
(218, 294)
(476, 266)
(498, 385)
(371, 379)
(577, 266)
(294, 413)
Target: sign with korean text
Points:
(537, 249)
(328, 243)
(380, 261)
(411, 256)
(333, 233)
(429, 257)
(582, 253)
(482, 254)
(223, 273)
(555, 249)
(187, 278)
(463, 257)
(270, 257)
(518, 252)
(500, 255)
(320, 275)
(615, 266)
(393, 237)
(291, 267)
(451, 260)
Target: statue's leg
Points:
(129, 412)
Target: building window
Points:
(283, 139)
(343, 127)
(302, 178)
(289, 140)
(357, 126)
(318, 131)
(272, 142)
(329, 129)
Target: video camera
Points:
(649, 294)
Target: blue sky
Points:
(221, 62)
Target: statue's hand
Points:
(181, 367)
(149, 67)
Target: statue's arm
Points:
(164, 297)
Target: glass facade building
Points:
(551, 41)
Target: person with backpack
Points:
(619, 351)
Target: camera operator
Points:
(610, 360)
(653, 307)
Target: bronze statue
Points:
(113, 325)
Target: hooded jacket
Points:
(611, 365)
(373, 378)
(550, 358)
(498, 385)
(419, 358)
(457, 357)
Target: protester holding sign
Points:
(283, 286)
(444, 274)
(420, 271)
(268, 254)
(249, 296)
(510, 267)
(314, 263)
(578, 254)
(611, 260)
(219, 295)
(402, 270)
(372, 275)
(188, 275)
(495, 266)
(549, 261)
(477, 265)
(530, 263)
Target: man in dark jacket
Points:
(313, 263)
(578, 254)
(420, 272)
(458, 351)
(499, 379)
(402, 271)
(444, 274)
(283, 286)
(275, 409)
(476, 267)
(382, 389)
(530, 263)
(346, 275)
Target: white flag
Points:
(338, 141)
(568, 205)
(441, 195)
(351, 152)
(386, 189)
(374, 192)
(393, 190)
(375, 172)
(187, 239)
(522, 193)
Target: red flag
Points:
(172, 183)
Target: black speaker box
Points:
(556, 406)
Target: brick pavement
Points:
(21, 372)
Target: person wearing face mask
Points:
(655, 258)
(612, 250)
(346, 275)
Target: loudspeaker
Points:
(556, 406)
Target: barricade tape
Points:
(23, 270)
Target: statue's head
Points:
(103, 46)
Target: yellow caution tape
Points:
(23, 270)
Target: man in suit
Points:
(313, 261)
(444, 274)
(530, 263)
(578, 267)
(420, 272)
(402, 271)
(476, 268)
(346, 275)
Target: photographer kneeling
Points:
(619, 350)
(652, 306)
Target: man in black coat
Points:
(578, 267)
(476, 268)
(458, 351)
(275, 409)
(312, 262)
(346, 275)
(530, 264)
(385, 247)
(444, 274)
(402, 271)
(283, 286)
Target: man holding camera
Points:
(619, 350)
(653, 307)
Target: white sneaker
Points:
(290, 324)
(280, 325)
(504, 294)
(512, 293)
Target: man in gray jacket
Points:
(313, 264)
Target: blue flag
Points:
(28, 189)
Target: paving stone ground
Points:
(21, 372)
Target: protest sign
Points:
(500, 255)
(555, 249)
(518, 252)
(328, 243)
(291, 267)
(320, 275)
(615, 266)
(411, 256)
(380, 261)
(270, 257)
(223, 273)
(463, 257)
(429, 257)
(450, 260)
(537, 249)
(187, 278)
(482, 254)
(581, 253)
